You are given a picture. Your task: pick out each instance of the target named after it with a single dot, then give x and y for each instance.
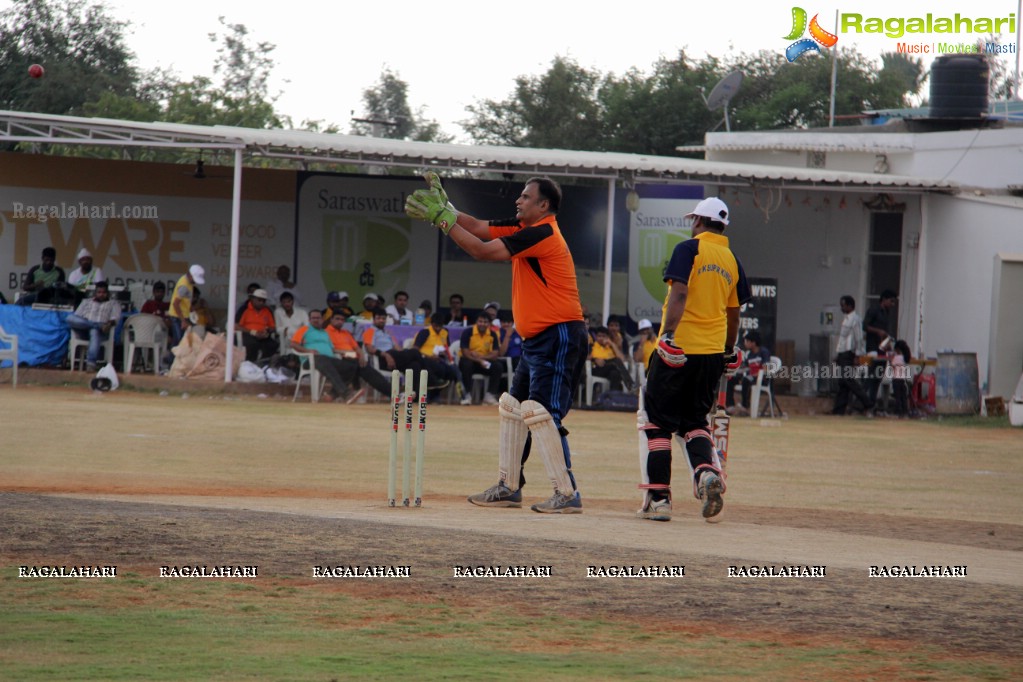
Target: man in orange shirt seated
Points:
(348, 349)
(259, 331)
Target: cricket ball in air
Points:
(36, 71)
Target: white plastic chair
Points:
(764, 385)
(140, 293)
(307, 368)
(374, 362)
(10, 353)
(76, 343)
(591, 381)
(144, 332)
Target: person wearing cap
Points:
(370, 302)
(259, 331)
(493, 309)
(85, 275)
(337, 301)
(706, 285)
(646, 344)
(181, 301)
(548, 315)
(41, 281)
(248, 299)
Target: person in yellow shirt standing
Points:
(699, 327)
(180, 311)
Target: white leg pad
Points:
(512, 435)
(547, 440)
(641, 425)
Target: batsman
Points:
(699, 327)
(548, 316)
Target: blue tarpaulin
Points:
(43, 335)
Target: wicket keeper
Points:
(548, 316)
(700, 323)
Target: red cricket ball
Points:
(36, 71)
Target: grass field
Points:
(138, 480)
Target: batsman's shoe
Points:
(560, 504)
(710, 490)
(499, 495)
(656, 510)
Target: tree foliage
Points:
(576, 108)
(81, 47)
(557, 109)
(387, 113)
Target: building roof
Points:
(353, 149)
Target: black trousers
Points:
(847, 383)
(678, 400)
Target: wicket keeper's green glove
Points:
(433, 180)
(426, 205)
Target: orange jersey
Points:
(544, 287)
(342, 339)
(253, 320)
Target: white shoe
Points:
(489, 399)
(466, 400)
(659, 510)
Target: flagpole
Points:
(834, 74)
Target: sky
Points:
(452, 53)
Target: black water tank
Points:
(959, 85)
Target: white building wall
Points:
(960, 243)
(817, 250)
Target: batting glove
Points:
(427, 205)
(669, 352)
(733, 361)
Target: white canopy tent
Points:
(304, 146)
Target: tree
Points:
(387, 113)
(81, 47)
(778, 94)
(558, 109)
(657, 113)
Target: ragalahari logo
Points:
(818, 36)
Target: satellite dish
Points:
(723, 93)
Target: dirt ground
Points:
(142, 481)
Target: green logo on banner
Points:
(655, 247)
(364, 253)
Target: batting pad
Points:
(513, 432)
(547, 439)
